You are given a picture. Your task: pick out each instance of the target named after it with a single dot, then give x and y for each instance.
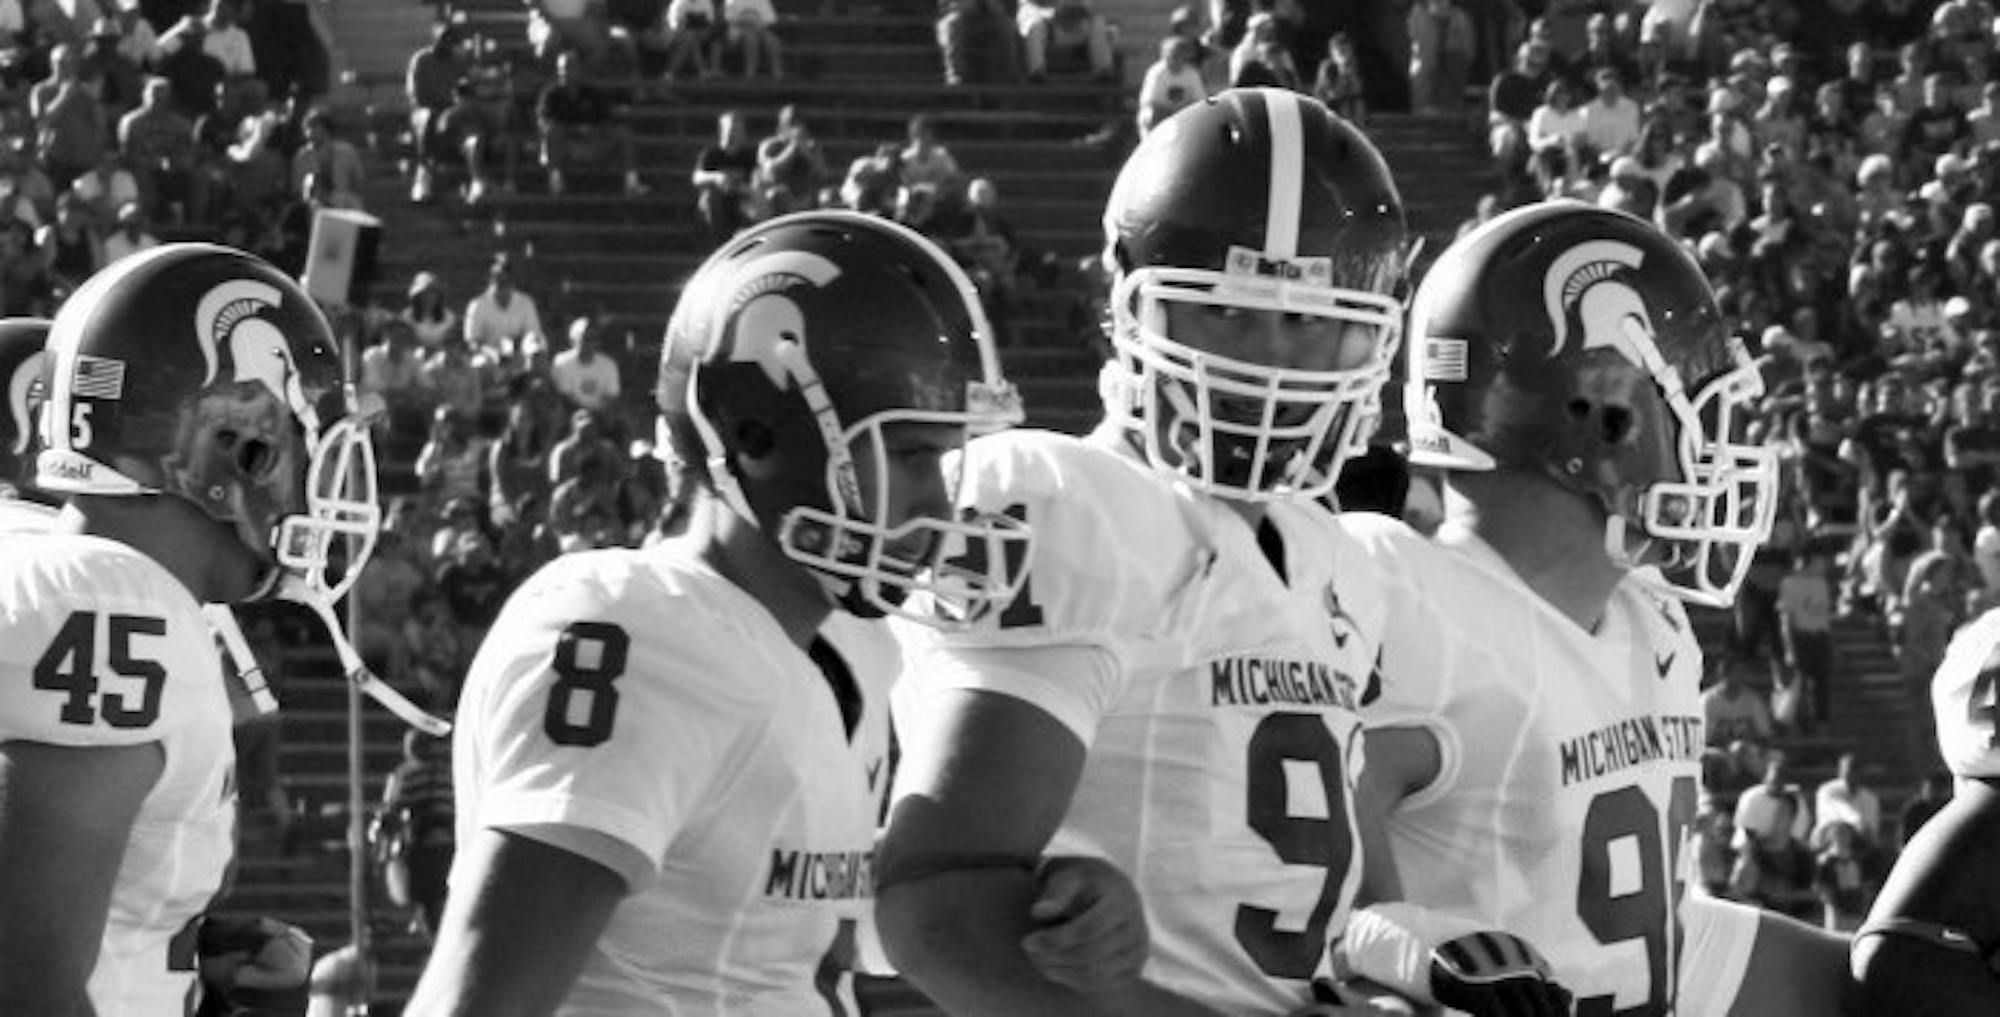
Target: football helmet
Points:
(1253, 200)
(203, 373)
(21, 369)
(1583, 343)
(797, 344)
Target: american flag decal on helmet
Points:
(98, 377)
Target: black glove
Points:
(1496, 974)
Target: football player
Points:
(665, 772)
(1534, 755)
(21, 368)
(1176, 687)
(192, 401)
(1929, 945)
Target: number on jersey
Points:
(1982, 709)
(583, 701)
(69, 666)
(1325, 842)
(1627, 815)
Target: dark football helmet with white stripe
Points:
(1254, 202)
(21, 370)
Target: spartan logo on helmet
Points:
(24, 398)
(258, 349)
(1587, 285)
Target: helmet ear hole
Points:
(755, 439)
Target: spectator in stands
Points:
(1932, 794)
(158, 144)
(979, 43)
(1844, 877)
(1935, 126)
(105, 61)
(1986, 543)
(873, 180)
(1555, 137)
(128, 235)
(1709, 837)
(450, 464)
(392, 370)
(568, 26)
(984, 242)
(386, 590)
(694, 35)
(1338, 81)
(459, 517)
(1511, 101)
(1711, 199)
(469, 134)
(437, 654)
(430, 86)
(222, 38)
(584, 374)
(1060, 35)
(1603, 50)
(750, 28)
(518, 468)
(473, 585)
(580, 127)
(924, 162)
(459, 375)
(196, 74)
(1441, 51)
(106, 186)
(1611, 120)
(1772, 823)
(1805, 630)
(427, 313)
(1172, 83)
(1260, 59)
(70, 126)
(72, 247)
(417, 802)
(503, 321)
(1843, 798)
(725, 199)
(790, 166)
(583, 511)
(917, 208)
(584, 448)
(1732, 711)
(333, 160)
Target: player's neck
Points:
(1547, 535)
(180, 546)
(742, 554)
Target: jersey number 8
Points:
(583, 702)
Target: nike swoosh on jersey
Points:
(1663, 664)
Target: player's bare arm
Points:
(1927, 946)
(65, 817)
(1401, 762)
(980, 794)
(521, 920)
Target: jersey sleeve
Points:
(1103, 573)
(1418, 665)
(599, 730)
(1965, 693)
(91, 635)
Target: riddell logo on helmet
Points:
(1244, 261)
(72, 468)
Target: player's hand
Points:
(1496, 974)
(258, 966)
(1090, 926)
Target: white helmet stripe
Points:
(1281, 215)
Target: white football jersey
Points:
(1217, 698)
(640, 710)
(1569, 763)
(100, 646)
(1966, 699)
(20, 514)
